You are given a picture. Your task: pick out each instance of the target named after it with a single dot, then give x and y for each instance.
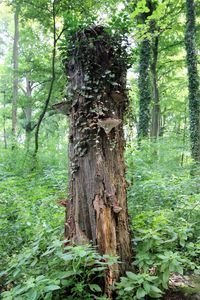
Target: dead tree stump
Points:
(97, 210)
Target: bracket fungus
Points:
(117, 209)
(62, 107)
(108, 124)
(117, 96)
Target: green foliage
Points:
(156, 176)
(44, 271)
(28, 200)
(137, 286)
(164, 204)
(162, 248)
(163, 197)
(160, 239)
(33, 258)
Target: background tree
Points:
(144, 82)
(15, 73)
(193, 78)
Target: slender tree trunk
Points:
(144, 82)
(193, 78)
(4, 121)
(97, 209)
(184, 136)
(162, 122)
(53, 76)
(28, 113)
(144, 85)
(155, 127)
(15, 75)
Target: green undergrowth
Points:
(164, 204)
(28, 201)
(43, 270)
(164, 210)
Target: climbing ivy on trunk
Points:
(144, 85)
(193, 80)
(97, 208)
(144, 82)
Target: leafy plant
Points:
(137, 286)
(46, 272)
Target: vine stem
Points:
(52, 81)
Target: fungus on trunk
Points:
(108, 124)
(97, 211)
(62, 107)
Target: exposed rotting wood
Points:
(97, 211)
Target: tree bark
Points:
(15, 75)
(193, 78)
(28, 113)
(97, 210)
(144, 90)
(155, 126)
(144, 82)
(4, 121)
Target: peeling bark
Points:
(97, 210)
(144, 82)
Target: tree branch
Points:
(51, 84)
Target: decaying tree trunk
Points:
(97, 208)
